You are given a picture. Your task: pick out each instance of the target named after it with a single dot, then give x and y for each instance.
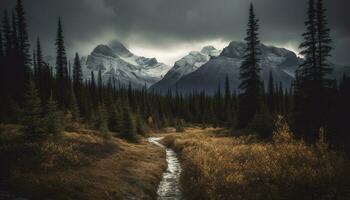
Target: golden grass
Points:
(218, 167)
(80, 165)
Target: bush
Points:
(179, 125)
(102, 121)
(141, 127)
(114, 121)
(32, 113)
(53, 121)
(262, 124)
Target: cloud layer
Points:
(163, 26)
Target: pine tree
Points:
(304, 108)
(1, 47)
(323, 44)
(102, 121)
(73, 106)
(271, 94)
(227, 105)
(99, 85)
(78, 81)
(23, 41)
(44, 74)
(93, 89)
(35, 69)
(311, 84)
(53, 118)
(32, 112)
(14, 34)
(61, 68)
(39, 60)
(251, 85)
(115, 119)
(324, 70)
(129, 130)
(7, 34)
(77, 74)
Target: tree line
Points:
(44, 97)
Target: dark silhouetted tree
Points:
(23, 41)
(251, 86)
(62, 86)
(271, 94)
(311, 82)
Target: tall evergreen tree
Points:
(14, 34)
(1, 46)
(78, 81)
(311, 82)
(39, 60)
(2, 67)
(77, 74)
(7, 34)
(94, 95)
(44, 74)
(35, 68)
(23, 41)
(99, 85)
(61, 68)
(323, 44)
(271, 94)
(304, 84)
(227, 104)
(251, 85)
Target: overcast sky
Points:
(169, 29)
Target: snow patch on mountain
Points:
(186, 65)
(119, 65)
(279, 61)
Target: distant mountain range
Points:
(197, 71)
(281, 62)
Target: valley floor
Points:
(83, 165)
(217, 166)
(78, 165)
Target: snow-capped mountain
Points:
(212, 72)
(116, 61)
(281, 62)
(184, 66)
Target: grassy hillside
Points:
(78, 165)
(220, 167)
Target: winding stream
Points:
(169, 187)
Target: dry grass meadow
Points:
(217, 167)
(79, 165)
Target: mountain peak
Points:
(207, 49)
(104, 50)
(118, 48)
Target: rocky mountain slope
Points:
(281, 62)
(184, 66)
(116, 62)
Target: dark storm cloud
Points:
(168, 22)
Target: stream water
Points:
(169, 187)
